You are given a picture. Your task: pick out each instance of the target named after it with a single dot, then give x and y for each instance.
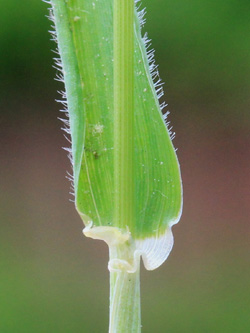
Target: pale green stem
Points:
(125, 313)
(125, 310)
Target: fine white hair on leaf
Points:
(153, 67)
(60, 78)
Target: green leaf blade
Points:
(157, 189)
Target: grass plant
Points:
(126, 177)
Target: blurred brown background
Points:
(52, 279)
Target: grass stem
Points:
(125, 309)
(125, 313)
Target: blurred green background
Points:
(52, 279)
